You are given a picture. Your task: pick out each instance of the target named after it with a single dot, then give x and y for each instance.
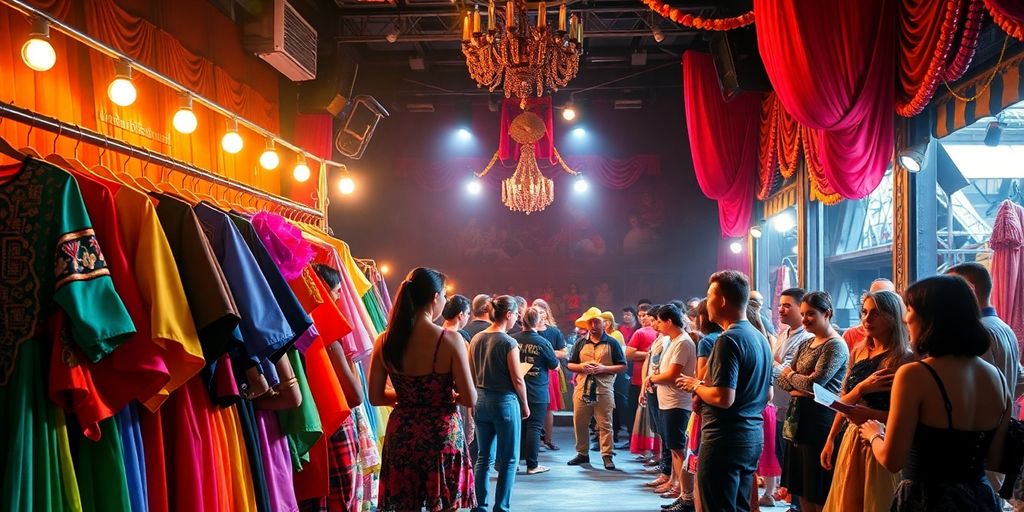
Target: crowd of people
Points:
(906, 411)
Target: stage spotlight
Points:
(736, 247)
(474, 187)
(993, 133)
(914, 158)
(755, 231)
(463, 134)
(569, 112)
(37, 52)
(581, 186)
(784, 222)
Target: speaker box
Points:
(330, 91)
(947, 174)
(737, 62)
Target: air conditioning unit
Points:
(284, 40)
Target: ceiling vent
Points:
(285, 41)
(419, 107)
(629, 104)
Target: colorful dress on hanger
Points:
(51, 259)
(425, 462)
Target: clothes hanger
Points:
(8, 150)
(144, 180)
(126, 178)
(28, 149)
(164, 183)
(102, 170)
(74, 164)
(186, 192)
(207, 197)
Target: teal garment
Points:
(374, 310)
(102, 480)
(51, 260)
(301, 424)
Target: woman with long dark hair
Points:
(949, 410)
(860, 482)
(425, 463)
(503, 404)
(821, 361)
(549, 330)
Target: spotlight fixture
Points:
(121, 90)
(301, 171)
(37, 52)
(474, 187)
(736, 247)
(579, 133)
(346, 185)
(185, 119)
(783, 222)
(269, 160)
(581, 185)
(993, 133)
(755, 231)
(569, 112)
(914, 158)
(463, 134)
(232, 142)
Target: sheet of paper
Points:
(525, 367)
(829, 399)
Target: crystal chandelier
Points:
(527, 190)
(526, 59)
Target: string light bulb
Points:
(346, 185)
(121, 90)
(569, 112)
(185, 119)
(301, 171)
(37, 52)
(269, 160)
(231, 141)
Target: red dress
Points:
(425, 462)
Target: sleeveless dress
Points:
(860, 482)
(945, 471)
(425, 462)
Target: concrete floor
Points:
(585, 488)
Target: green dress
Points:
(49, 260)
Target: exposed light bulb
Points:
(184, 119)
(474, 187)
(736, 247)
(346, 185)
(783, 222)
(301, 171)
(384, 269)
(581, 186)
(37, 52)
(122, 91)
(269, 160)
(569, 113)
(755, 231)
(232, 141)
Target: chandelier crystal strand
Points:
(527, 190)
(525, 60)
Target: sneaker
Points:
(550, 445)
(680, 505)
(652, 470)
(652, 463)
(670, 505)
(766, 501)
(672, 494)
(608, 464)
(537, 470)
(579, 459)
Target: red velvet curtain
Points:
(508, 148)
(314, 133)
(723, 141)
(833, 66)
(937, 40)
(1009, 15)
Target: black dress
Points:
(945, 471)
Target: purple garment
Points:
(284, 242)
(277, 462)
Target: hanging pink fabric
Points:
(284, 242)
(1007, 244)
(723, 141)
(837, 78)
(508, 149)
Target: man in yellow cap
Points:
(598, 358)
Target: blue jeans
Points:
(733, 467)
(498, 429)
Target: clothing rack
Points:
(62, 128)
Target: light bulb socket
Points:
(40, 28)
(186, 101)
(123, 69)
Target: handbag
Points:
(790, 427)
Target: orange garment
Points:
(162, 292)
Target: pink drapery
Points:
(723, 141)
(1007, 243)
(836, 78)
(610, 173)
(508, 148)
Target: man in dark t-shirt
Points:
(481, 315)
(732, 432)
(535, 350)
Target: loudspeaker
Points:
(947, 174)
(329, 91)
(737, 61)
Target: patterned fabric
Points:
(914, 496)
(425, 461)
(345, 476)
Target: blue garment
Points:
(134, 455)
(553, 335)
(265, 330)
(740, 351)
(536, 350)
(706, 344)
(498, 430)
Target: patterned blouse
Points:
(824, 365)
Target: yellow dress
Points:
(860, 482)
